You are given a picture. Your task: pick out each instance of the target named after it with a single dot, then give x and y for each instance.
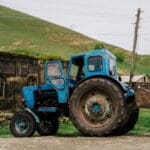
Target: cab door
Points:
(54, 76)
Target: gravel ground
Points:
(75, 143)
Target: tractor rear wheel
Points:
(96, 107)
(22, 124)
(131, 119)
(48, 127)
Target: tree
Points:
(120, 57)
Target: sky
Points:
(110, 21)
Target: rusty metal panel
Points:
(142, 90)
(143, 98)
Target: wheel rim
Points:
(22, 125)
(95, 109)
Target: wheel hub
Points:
(21, 126)
(97, 107)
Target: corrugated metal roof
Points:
(95, 52)
(136, 78)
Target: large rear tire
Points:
(22, 124)
(131, 119)
(96, 107)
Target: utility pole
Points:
(134, 46)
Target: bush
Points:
(120, 57)
(99, 46)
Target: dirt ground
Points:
(76, 143)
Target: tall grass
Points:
(142, 127)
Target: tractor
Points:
(90, 93)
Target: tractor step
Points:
(47, 109)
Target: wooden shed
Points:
(15, 72)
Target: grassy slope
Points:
(19, 32)
(24, 34)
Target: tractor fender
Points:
(128, 93)
(37, 119)
(123, 89)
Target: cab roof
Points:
(94, 52)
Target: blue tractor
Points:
(90, 94)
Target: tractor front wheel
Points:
(22, 124)
(48, 126)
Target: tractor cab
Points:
(90, 64)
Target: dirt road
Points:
(76, 143)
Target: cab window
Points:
(95, 63)
(77, 69)
(53, 69)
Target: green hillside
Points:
(24, 34)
